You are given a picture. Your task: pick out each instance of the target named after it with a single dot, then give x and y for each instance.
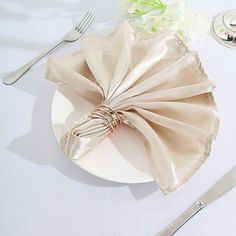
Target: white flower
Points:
(175, 15)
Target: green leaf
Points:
(154, 29)
(181, 34)
(139, 12)
(147, 6)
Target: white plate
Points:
(121, 157)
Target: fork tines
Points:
(85, 22)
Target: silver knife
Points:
(224, 185)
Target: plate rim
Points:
(148, 180)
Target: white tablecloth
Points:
(44, 194)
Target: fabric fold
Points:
(155, 85)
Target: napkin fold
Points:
(155, 85)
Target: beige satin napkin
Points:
(156, 86)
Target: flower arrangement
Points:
(149, 16)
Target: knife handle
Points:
(182, 219)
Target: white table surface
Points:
(44, 194)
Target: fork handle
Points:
(182, 219)
(15, 75)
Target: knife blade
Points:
(221, 187)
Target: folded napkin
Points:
(154, 85)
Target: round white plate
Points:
(121, 157)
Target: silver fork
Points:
(71, 36)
